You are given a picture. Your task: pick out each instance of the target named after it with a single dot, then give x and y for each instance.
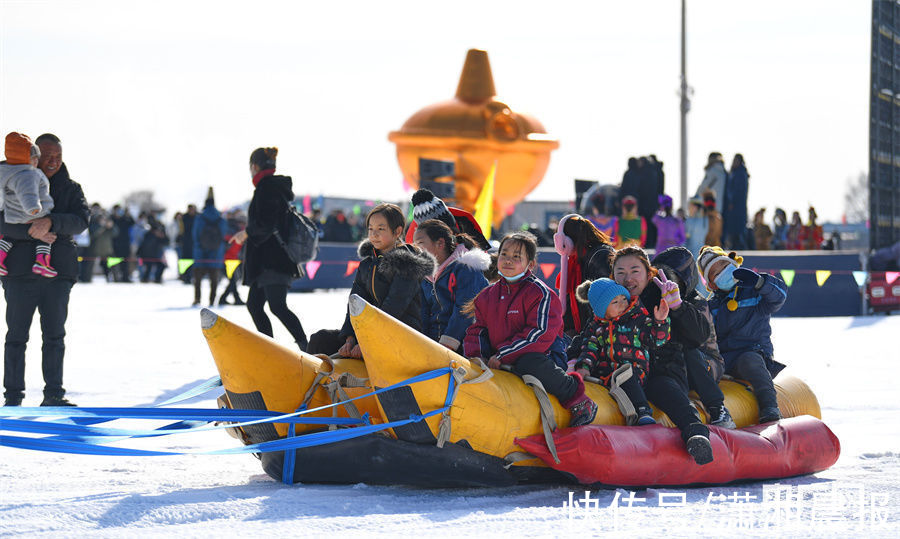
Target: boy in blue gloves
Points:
(742, 305)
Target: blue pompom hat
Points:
(602, 292)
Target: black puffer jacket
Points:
(392, 282)
(70, 216)
(690, 328)
(266, 213)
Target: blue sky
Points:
(173, 96)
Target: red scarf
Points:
(573, 279)
(262, 174)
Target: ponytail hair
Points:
(264, 158)
(584, 234)
(436, 230)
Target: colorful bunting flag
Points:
(80, 259)
(230, 267)
(184, 264)
(484, 206)
(113, 261)
(891, 276)
(311, 269)
(351, 267)
(788, 276)
(860, 277)
(548, 269)
(822, 276)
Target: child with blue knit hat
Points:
(621, 333)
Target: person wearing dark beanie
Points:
(427, 206)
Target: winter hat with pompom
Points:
(427, 206)
(710, 254)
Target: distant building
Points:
(884, 125)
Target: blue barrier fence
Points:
(839, 295)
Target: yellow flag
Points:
(230, 266)
(484, 206)
(822, 276)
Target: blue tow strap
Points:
(77, 434)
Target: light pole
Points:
(685, 107)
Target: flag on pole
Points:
(484, 206)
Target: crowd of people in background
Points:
(642, 214)
(126, 248)
(126, 244)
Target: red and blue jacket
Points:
(512, 319)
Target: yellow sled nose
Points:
(259, 373)
(488, 415)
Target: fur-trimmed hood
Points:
(475, 259)
(405, 261)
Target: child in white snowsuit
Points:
(26, 196)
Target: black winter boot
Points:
(696, 438)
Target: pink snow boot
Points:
(42, 266)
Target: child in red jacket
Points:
(518, 322)
(622, 332)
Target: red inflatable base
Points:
(656, 456)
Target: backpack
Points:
(301, 236)
(210, 237)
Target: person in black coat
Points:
(151, 251)
(703, 362)
(187, 241)
(734, 214)
(123, 222)
(268, 270)
(26, 292)
(389, 275)
(585, 255)
(667, 383)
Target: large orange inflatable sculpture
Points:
(476, 131)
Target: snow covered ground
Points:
(137, 345)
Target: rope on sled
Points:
(548, 419)
(457, 379)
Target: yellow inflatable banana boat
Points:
(471, 445)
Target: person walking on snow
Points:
(209, 247)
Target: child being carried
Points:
(621, 333)
(26, 196)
